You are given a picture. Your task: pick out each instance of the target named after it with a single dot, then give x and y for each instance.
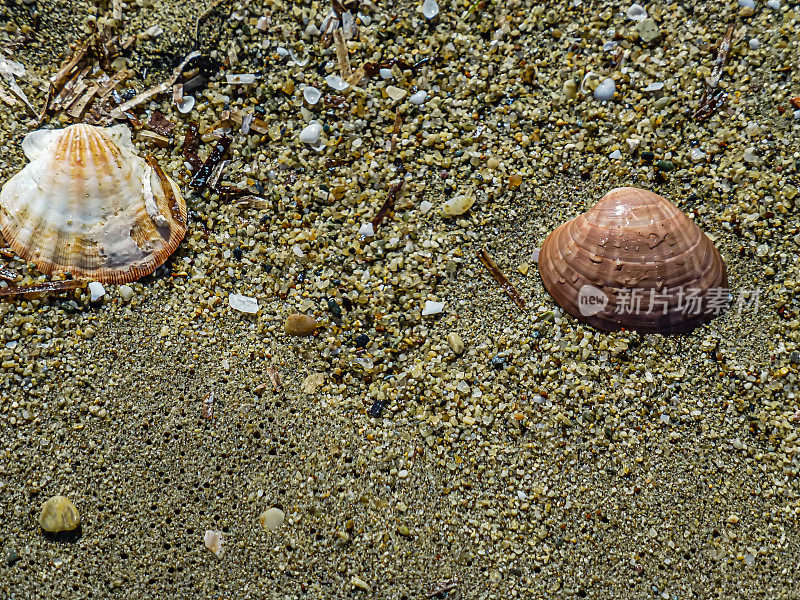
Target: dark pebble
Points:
(362, 340)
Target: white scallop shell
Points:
(88, 205)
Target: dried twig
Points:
(341, 55)
(53, 286)
(495, 271)
(190, 145)
(712, 99)
(387, 205)
(162, 87)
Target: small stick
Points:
(341, 55)
(190, 145)
(53, 286)
(162, 87)
(495, 271)
(712, 100)
(387, 205)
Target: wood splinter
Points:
(495, 271)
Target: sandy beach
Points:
(493, 449)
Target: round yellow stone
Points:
(59, 514)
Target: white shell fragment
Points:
(96, 291)
(337, 83)
(213, 541)
(186, 104)
(458, 205)
(430, 9)
(606, 90)
(126, 293)
(311, 94)
(88, 205)
(311, 133)
(656, 86)
(367, 230)
(432, 308)
(245, 304)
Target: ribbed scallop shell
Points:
(88, 205)
(634, 244)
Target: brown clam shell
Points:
(634, 261)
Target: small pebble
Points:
(186, 104)
(774, 4)
(59, 514)
(747, 3)
(648, 30)
(395, 93)
(606, 90)
(126, 292)
(311, 133)
(636, 12)
(615, 155)
(271, 519)
(359, 583)
(367, 229)
(386, 74)
(456, 343)
(300, 325)
(754, 43)
(458, 205)
(430, 8)
(418, 97)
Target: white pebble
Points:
(774, 4)
(796, 115)
(272, 518)
(458, 205)
(636, 12)
(337, 82)
(126, 292)
(96, 290)
(747, 3)
(418, 97)
(244, 304)
(395, 93)
(263, 23)
(311, 94)
(311, 133)
(386, 73)
(425, 206)
(366, 230)
(430, 9)
(654, 87)
(606, 90)
(535, 254)
(615, 155)
(754, 43)
(432, 308)
(697, 155)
